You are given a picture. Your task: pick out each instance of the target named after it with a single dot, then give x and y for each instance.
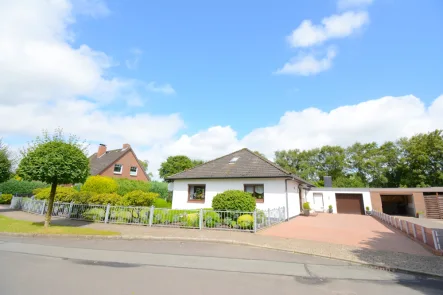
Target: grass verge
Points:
(11, 225)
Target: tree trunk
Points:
(50, 204)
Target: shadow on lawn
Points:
(395, 259)
(65, 222)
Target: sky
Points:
(206, 78)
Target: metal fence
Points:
(428, 236)
(151, 216)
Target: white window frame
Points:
(133, 173)
(121, 169)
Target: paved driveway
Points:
(347, 229)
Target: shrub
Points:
(125, 186)
(120, 215)
(14, 186)
(245, 221)
(367, 208)
(211, 218)
(37, 190)
(104, 199)
(192, 220)
(144, 215)
(82, 197)
(234, 200)
(233, 224)
(160, 188)
(306, 206)
(94, 214)
(138, 198)
(100, 185)
(78, 186)
(160, 203)
(62, 194)
(330, 207)
(5, 198)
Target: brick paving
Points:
(425, 263)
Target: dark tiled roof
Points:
(97, 165)
(248, 165)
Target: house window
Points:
(257, 191)
(196, 193)
(133, 171)
(118, 168)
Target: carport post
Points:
(413, 229)
(401, 227)
(423, 234)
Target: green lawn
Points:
(11, 225)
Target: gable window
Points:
(133, 171)
(257, 191)
(196, 193)
(118, 168)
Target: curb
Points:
(222, 241)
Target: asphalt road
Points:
(77, 266)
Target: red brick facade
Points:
(127, 160)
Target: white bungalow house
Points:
(271, 185)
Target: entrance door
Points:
(350, 203)
(318, 202)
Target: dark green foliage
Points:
(160, 188)
(13, 186)
(100, 185)
(138, 198)
(160, 203)
(5, 163)
(63, 194)
(125, 186)
(5, 198)
(234, 200)
(176, 164)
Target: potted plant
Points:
(368, 210)
(420, 214)
(306, 208)
(330, 209)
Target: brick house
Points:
(119, 163)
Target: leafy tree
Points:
(5, 162)
(259, 154)
(197, 162)
(56, 160)
(144, 164)
(176, 164)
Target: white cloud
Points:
(94, 8)
(162, 88)
(347, 4)
(132, 63)
(332, 27)
(308, 64)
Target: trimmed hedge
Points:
(160, 203)
(125, 186)
(138, 198)
(100, 185)
(14, 186)
(234, 200)
(5, 198)
(161, 188)
(104, 199)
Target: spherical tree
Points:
(54, 159)
(5, 162)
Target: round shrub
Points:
(211, 218)
(160, 203)
(100, 185)
(62, 194)
(192, 220)
(94, 214)
(104, 199)
(138, 198)
(5, 198)
(245, 221)
(234, 200)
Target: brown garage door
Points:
(350, 203)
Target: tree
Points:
(260, 154)
(54, 159)
(144, 164)
(197, 162)
(174, 165)
(5, 162)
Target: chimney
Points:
(327, 181)
(126, 146)
(101, 150)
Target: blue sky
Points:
(204, 78)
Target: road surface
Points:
(82, 266)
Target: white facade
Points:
(274, 192)
(320, 198)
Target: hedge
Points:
(234, 200)
(104, 199)
(100, 185)
(62, 194)
(160, 203)
(138, 198)
(5, 198)
(160, 188)
(125, 186)
(14, 186)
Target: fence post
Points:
(407, 228)
(151, 215)
(414, 230)
(255, 221)
(70, 209)
(200, 221)
(43, 208)
(434, 237)
(401, 227)
(268, 219)
(108, 208)
(424, 235)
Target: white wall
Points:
(274, 193)
(329, 197)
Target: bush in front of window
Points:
(138, 198)
(234, 200)
(246, 221)
(100, 185)
(62, 194)
(5, 198)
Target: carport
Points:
(401, 205)
(350, 203)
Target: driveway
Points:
(346, 229)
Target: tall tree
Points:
(5, 162)
(54, 159)
(174, 165)
(197, 162)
